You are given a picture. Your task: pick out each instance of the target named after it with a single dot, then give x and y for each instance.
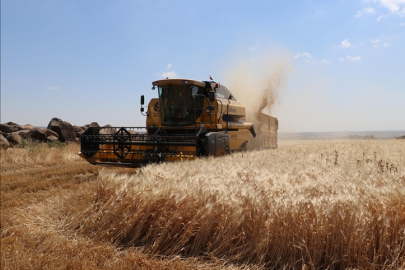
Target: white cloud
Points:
(396, 7)
(376, 42)
(392, 5)
(53, 87)
(364, 11)
(169, 74)
(169, 66)
(381, 17)
(305, 54)
(402, 24)
(369, 10)
(357, 58)
(252, 48)
(309, 61)
(325, 61)
(346, 43)
(358, 14)
(341, 59)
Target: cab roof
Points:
(178, 82)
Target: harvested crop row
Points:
(39, 153)
(25, 178)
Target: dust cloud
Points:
(258, 82)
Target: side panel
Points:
(273, 132)
(153, 117)
(237, 138)
(229, 110)
(266, 128)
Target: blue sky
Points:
(86, 61)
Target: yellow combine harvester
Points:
(190, 119)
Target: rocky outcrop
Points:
(38, 134)
(94, 124)
(77, 128)
(108, 129)
(25, 127)
(51, 133)
(79, 134)
(13, 138)
(24, 134)
(9, 127)
(13, 134)
(3, 142)
(79, 131)
(64, 129)
(401, 137)
(52, 138)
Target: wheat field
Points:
(310, 204)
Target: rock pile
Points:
(12, 134)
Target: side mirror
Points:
(211, 96)
(142, 108)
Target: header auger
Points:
(190, 119)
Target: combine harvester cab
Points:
(188, 120)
